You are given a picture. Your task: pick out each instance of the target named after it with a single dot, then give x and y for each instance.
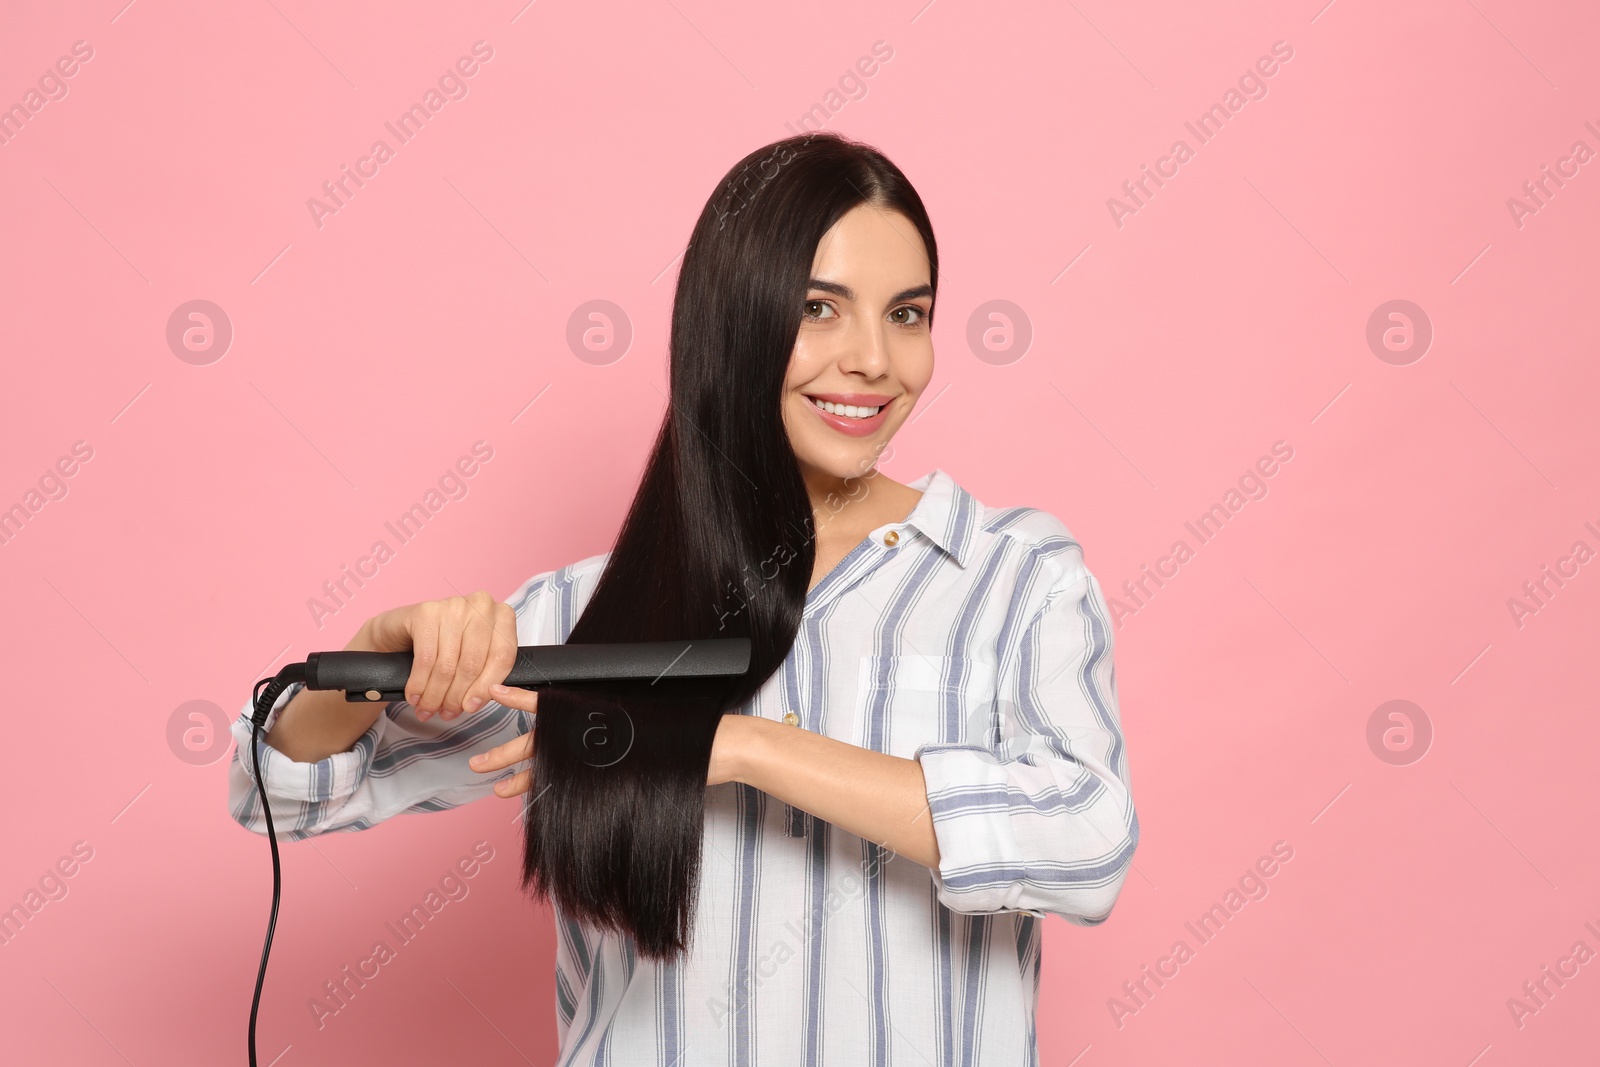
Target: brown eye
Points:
(818, 305)
(909, 309)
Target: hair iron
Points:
(381, 676)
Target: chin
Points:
(841, 460)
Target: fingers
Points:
(516, 785)
(513, 697)
(460, 646)
(477, 635)
(451, 622)
(502, 756)
(501, 658)
(423, 623)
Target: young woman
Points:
(930, 757)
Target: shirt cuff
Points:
(967, 799)
(331, 778)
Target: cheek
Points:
(794, 414)
(807, 359)
(915, 367)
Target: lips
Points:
(860, 400)
(843, 423)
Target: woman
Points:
(931, 757)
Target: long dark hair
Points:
(718, 542)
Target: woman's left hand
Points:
(732, 731)
(514, 751)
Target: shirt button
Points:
(791, 718)
(891, 538)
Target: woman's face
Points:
(864, 343)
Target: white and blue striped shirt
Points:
(974, 640)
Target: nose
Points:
(866, 351)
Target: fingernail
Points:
(477, 761)
(473, 703)
(412, 698)
(422, 716)
(498, 688)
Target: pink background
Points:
(1168, 354)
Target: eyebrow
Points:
(850, 294)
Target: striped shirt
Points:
(972, 639)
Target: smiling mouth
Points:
(848, 411)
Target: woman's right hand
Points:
(460, 646)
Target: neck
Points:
(829, 491)
(848, 505)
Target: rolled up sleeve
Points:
(401, 764)
(306, 798)
(1033, 810)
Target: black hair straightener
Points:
(381, 676)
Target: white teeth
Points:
(848, 410)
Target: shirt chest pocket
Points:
(905, 701)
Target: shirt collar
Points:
(946, 514)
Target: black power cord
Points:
(374, 676)
(295, 672)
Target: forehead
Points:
(873, 250)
